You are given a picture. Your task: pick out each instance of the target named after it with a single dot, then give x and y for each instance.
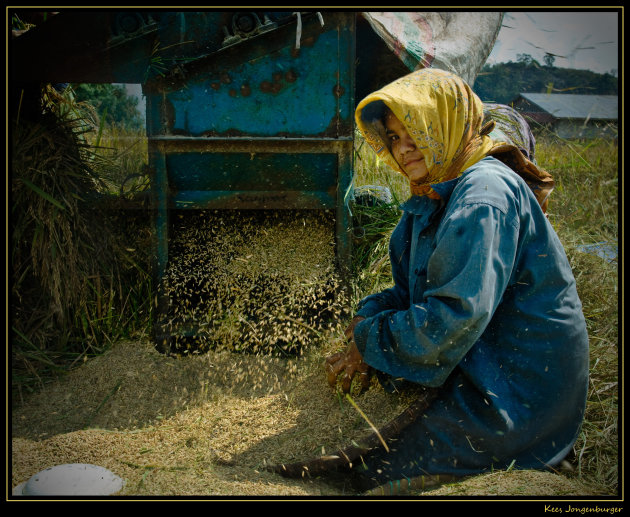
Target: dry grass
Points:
(584, 211)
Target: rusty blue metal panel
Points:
(278, 93)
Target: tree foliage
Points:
(111, 103)
(503, 82)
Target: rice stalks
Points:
(67, 264)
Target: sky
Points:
(587, 40)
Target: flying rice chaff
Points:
(262, 282)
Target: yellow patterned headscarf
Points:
(444, 117)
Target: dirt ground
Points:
(209, 425)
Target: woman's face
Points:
(404, 150)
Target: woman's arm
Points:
(466, 277)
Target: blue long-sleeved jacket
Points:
(484, 303)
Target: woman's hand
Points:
(349, 332)
(350, 363)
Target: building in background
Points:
(571, 116)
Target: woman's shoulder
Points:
(489, 181)
(492, 170)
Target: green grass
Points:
(584, 210)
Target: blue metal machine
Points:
(263, 122)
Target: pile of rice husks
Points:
(208, 425)
(257, 281)
(199, 424)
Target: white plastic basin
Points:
(72, 479)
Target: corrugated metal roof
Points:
(564, 105)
